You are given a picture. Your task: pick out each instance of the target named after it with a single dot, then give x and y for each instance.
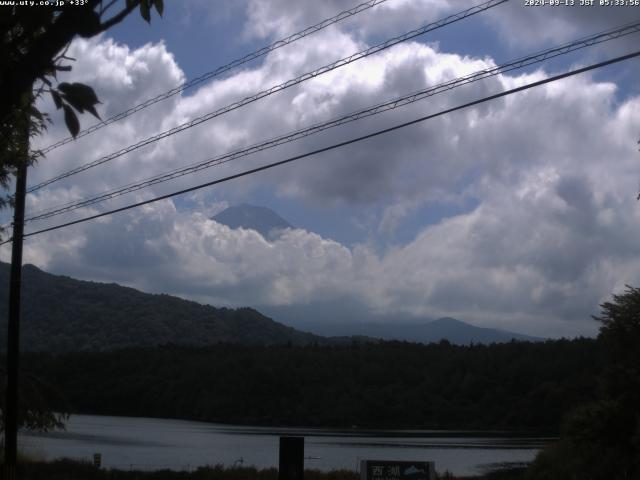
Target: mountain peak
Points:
(448, 321)
(261, 219)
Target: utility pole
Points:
(13, 334)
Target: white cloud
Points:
(523, 25)
(279, 18)
(553, 172)
(158, 248)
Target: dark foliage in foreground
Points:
(601, 439)
(74, 470)
(390, 384)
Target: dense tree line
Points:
(388, 384)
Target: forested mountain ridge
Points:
(61, 314)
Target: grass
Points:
(66, 469)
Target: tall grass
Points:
(66, 469)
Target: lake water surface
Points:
(150, 444)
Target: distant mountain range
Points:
(450, 329)
(348, 318)
(261, 219)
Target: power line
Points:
(306, 76)
(380, 108)
(220, 70)
(340, 144)
(277, 88)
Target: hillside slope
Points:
(62, 314)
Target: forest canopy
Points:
(390, 384)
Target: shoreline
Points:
(364, 430)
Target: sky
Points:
(519, 213)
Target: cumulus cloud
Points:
(542, 248)
(160, 249)
(539, 254)
(552, 173)
(278, 18)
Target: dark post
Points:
(13, 333)
(291, 458)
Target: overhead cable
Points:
(377, 109)
(277, 88)
(338, 145)
(220, 70)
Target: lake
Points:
(151, 444)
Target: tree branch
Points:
(107, 7)
(119, 17)
(65, 27)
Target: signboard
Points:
(396, 470)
